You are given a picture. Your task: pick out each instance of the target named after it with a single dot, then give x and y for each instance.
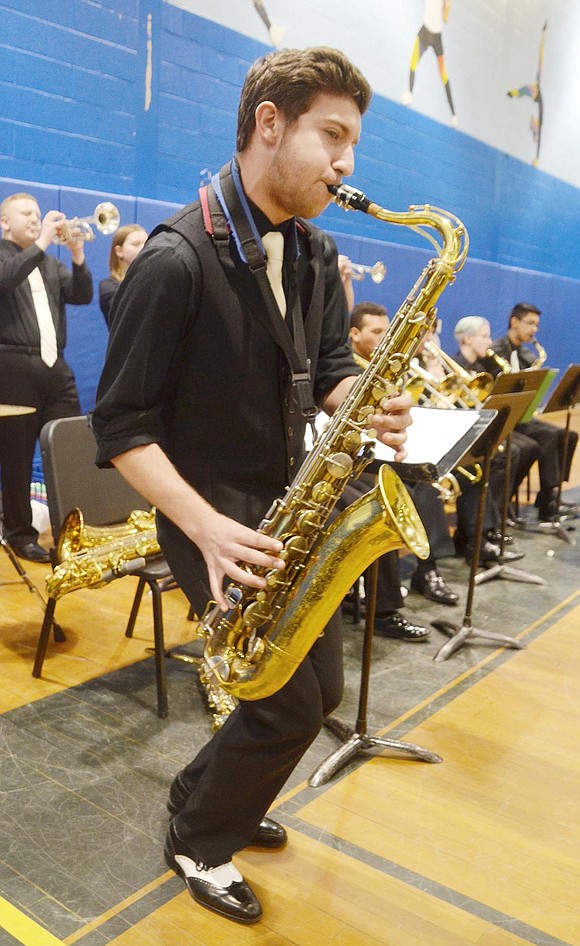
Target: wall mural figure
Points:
(533, 91)
(276, 33)
(435, 14)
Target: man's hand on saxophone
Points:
(390, 425)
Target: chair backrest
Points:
(72, 479)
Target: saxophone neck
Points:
(503, 365)
(541, 354)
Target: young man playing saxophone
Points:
(196, 409)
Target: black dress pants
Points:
(549, 440)
(235, 778)
(26, 380)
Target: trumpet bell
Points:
(377, 272)
(106, 219)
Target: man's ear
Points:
(268, 122)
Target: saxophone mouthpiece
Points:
(349, 198)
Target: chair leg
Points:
(44, 635)
(135, 608)
(191, 613)
(160, 666)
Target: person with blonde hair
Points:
(127, 242)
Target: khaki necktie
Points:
(274, 246)
(48, 347)
(514, 360)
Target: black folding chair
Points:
(104, 498)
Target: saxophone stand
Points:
(358, 740)
(509, 410)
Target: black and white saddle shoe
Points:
(269, 833)
(221, 889)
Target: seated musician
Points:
(467, 501)
(475, 354)
(554, 467)
(368, 324)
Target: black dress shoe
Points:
(221, 889)
(431, 585)
(268, 834)
(490, 554)
(396, 626)
(33, 552)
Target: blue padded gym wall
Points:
(136, 102)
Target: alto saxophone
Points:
(253, 649)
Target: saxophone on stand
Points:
(253, 649)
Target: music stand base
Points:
(508, 572)
(468, 633)
(361, 742)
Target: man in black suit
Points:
(34, 290)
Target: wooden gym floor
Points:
(481, 849)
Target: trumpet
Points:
(376, 272)
(106, 219)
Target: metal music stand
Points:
(564, 397)
(510, 408)
(358, 739)
(534, 382)
(538, 379)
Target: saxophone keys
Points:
(352, 441)
(256, 614)
(322, 491)
(295, 547)
(308, 522)
(339, 465)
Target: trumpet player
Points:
(34, 290)
(554, 468)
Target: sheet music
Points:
(432, 435)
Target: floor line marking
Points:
(23, 928)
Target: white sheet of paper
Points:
(431, 436)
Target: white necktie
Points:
(274, 246)
(514, 360)
(48, 347)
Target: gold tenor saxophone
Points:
(253, 649)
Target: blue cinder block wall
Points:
(136, 102)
